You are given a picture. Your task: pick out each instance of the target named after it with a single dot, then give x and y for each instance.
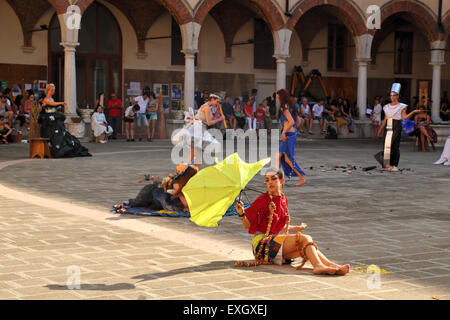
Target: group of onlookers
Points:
(14, 109)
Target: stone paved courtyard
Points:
(56, 213)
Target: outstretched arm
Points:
(407, 116)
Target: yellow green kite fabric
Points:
(214, 189)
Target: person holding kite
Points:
(267, 218)
(286, 152)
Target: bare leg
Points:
(132, 130)
(127, 130)
(148, 132)
(300, 176)
(153, 128)
(290, 252)
(341, 269)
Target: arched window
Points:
(98, 57)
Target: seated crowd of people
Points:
(14, 110)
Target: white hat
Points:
(215, 96)
(396, 87)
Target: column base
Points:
(76, 129)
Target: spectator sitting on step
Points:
(318, 111)
(260, 114)
(307, 115)
(423, 130)
(5, 110)
(238, 114)
(101, 128)
(5, 131)
(267, 118)
(227, 109)
(444, 112)
(299, 121)
(347, 115)
(249, 115)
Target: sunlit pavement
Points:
(56, 224)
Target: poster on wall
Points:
(3, 84)
(177, 91)
(42, 84)
(160, 86)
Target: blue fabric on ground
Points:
(176, 214)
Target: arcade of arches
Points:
(227, 45)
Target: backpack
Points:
(331, 133)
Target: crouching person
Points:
(266, 218)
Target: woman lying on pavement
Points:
(266, 218)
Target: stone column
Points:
(281, 41)
(363, 57)
(190, 32)
(362, 88)
(437, 60)
(281, 71)
(189, 78)
(69, 40)
(70, 80)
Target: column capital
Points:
(69, 45)
(363, 61)
(438, 53)
(282, 41)
(189, 53)
(281, 58)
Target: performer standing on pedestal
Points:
(395, 112)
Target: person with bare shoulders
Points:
(61, 142)
(267, 218)
(286, 153)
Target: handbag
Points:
(432, 134)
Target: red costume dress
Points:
(258, 215)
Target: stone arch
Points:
(446, 24)
(270, 12)
(28, 18)
(422, 16)
(143, 14)
(61, 5)
(415, 12)
(346, 10)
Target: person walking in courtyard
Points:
(267, 218)
(286, 151)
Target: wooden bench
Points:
(38, 145)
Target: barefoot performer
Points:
(286, 152)
(266, 218)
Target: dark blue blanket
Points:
(176, 214)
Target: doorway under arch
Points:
(98, 57)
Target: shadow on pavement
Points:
(98, 287)
(220, 265)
